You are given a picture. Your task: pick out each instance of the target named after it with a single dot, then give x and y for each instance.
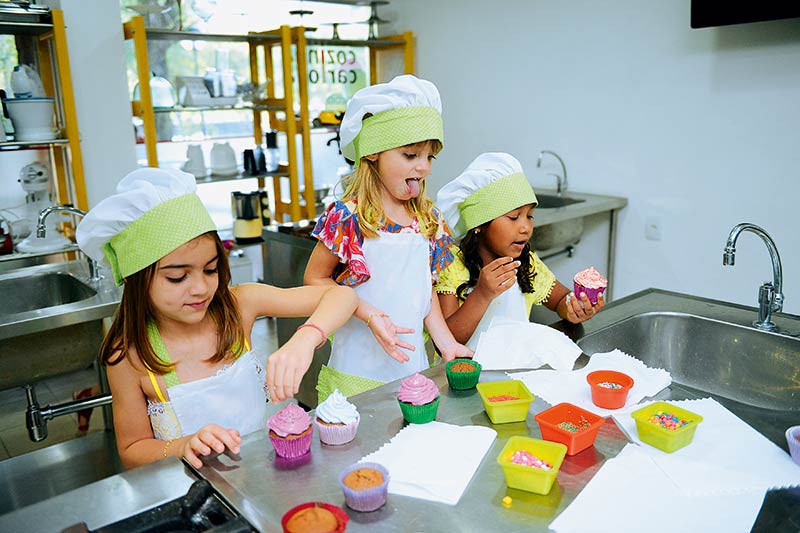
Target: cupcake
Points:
(336, 420)
(463, 374)
(365, 486)
(315, 517)
(419, 399)
(290, 431)
(591, 282)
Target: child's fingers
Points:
(398, 329)
(192, 458)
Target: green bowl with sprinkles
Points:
(666, 426)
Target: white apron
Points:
(509, 305)
(400, 286)
(233, 398)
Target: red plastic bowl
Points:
(338, 512)
(576, 442)
(608, 398)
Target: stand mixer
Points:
(35, 181)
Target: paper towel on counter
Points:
(434, 461)
(726, 455)
(510, 344)
(631, 493)
(556, 386)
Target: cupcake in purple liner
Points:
(336, 420)
(591, 282)
(365, 486)
(793, 440)
(419, 399)
(290, 431)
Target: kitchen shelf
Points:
(215, 178)
(27, 255)
(232, 107)
(16, 145)
(168, 35)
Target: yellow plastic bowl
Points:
(665, 439)
(529, 478)
(509, 410)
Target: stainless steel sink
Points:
(28, 293)
(736, 362)
(556, 234)
(552, 201)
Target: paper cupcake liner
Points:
(419, 414)
(368, 499)
(291, 463)
(338, 512)
(295, 447)
(463, 380)
(337, 434)
(794, 445)
(590, 293)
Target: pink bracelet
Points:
(316, 327)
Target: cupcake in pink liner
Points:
(290, 431)
(793, 441)
(419, 399)
(591, 282)
(365, 486)
(336, 420)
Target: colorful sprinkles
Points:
(526, 458)
(668, 421)
(574, 428)
(609, 385)
(502, 398)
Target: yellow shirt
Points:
(542, 279)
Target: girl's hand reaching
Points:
(496, 277)
(454, 351)
(385, 332)
(581, 310)
(210, 438)
(286, 368)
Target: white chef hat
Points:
(154, 212)
(492, 185)
(404, 111)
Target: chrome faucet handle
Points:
(563, 184)
(41, 232)
(559, 182)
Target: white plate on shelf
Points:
(229, 171)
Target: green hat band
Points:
(156, 233)
(398, 127)
(495, 199)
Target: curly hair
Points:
(472, 260)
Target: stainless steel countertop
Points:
(593, 204)
(101, 305)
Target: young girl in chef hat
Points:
(495, 272)
(183, 379)
(386, 239)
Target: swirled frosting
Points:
(291, 420)
(337, 410)
(417, 390)
(591, 279)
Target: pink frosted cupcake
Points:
(591, 282)
(419, 399)
(336, 420)
(290, 431)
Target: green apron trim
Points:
(496, 199)
(348, 384)
(398, 127)
(161, 351)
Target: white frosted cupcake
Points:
(336, 420)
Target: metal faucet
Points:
(561, 180)
(41, 231)
(770, 295)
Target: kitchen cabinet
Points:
(46, 32)
(282, 105)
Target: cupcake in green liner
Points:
(419, 399)
(463, 374)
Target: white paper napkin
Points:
(556, 386)
(418, 467)
(630, 493)
(509, 344)
(726, 455)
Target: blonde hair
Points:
(364, 185)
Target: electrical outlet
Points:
(652, 228)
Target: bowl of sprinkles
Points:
(609, 388)
(505, 401)
(570, 425)
(793, 440)
(463, 374)
(666, 426)
(531, 464)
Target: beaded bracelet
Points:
(373, 315)
(316, 327)
(166, 446)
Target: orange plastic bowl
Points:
(589, 423)
(606, 397)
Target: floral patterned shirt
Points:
(337, 228)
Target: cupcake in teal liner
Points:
(463, 374)
(365, 486)
(290, 431)
(336, 420)
(419, 399)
